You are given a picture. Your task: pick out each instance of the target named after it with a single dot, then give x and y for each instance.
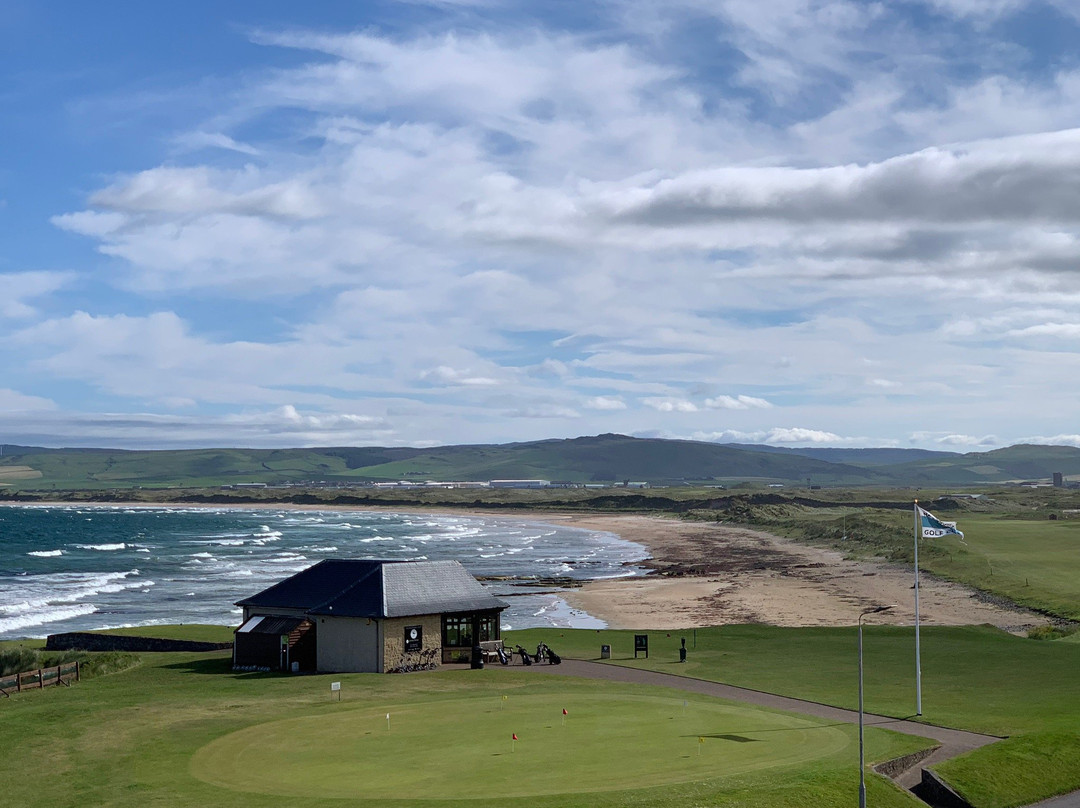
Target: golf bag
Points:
(525, 658)
(553, 658)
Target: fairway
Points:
(458, 747)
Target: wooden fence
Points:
(28, 680)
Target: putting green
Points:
(463, 747)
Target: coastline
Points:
(715, 574)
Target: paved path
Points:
(953, 741)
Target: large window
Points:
(457, 631)
(488, 627)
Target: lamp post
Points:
(862, 765)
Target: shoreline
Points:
(706, 574)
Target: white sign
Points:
(335, 686)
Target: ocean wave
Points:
(103, 547)
(45, 553)
(286, 559)
(34, 592)
(41, 616)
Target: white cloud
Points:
(607, 403)
(955, 439)
(736, 403)
(281, 427)
(542, 411)
(502, 223)
(670, 404)
(450, 376)
(215, 140)
(801, 436)
(14, 401)
(21, 287)
(1054, 440)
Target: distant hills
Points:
(595, 459)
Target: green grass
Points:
(1032, 562)
(182, 730)
(192, 631)
(976, 678)
(1017, 771)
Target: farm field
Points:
(184, 730)
(975, 678)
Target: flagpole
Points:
(918, 660)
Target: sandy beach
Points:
(707, 574)
(710, 574)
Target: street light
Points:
(862, 765)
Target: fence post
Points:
(40, 679)
(77, 674)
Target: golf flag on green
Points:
(934, 528)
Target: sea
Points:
(77, 568)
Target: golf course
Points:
(185, 730)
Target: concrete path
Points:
(953, 741)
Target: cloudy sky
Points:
(800, 222)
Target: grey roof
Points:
(434, 587)
(369, 588)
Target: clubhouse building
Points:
(366, 616)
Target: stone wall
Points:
(81, 641)
(394, 637)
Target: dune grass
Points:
(184, 730)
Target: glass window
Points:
(457, 631)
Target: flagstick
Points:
(918, 660)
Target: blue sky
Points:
(411, 223)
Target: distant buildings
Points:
(520, 483)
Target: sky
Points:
(421, 222)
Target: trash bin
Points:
(477, 658)
(605, 652)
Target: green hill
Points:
(594, 459)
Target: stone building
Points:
(366, 616)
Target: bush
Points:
(17, 660)
(1051, 632)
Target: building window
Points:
(488, 627)
(457, 631)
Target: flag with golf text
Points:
(934, 528)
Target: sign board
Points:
(335, 686)
(414, 638)
(641, 645)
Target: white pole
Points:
(862, 763)
(918, 659)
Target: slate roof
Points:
(378, 589)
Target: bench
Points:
(490, 649)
